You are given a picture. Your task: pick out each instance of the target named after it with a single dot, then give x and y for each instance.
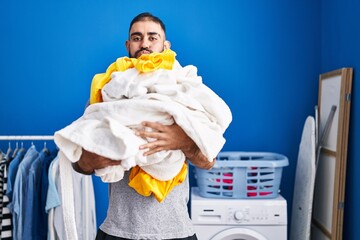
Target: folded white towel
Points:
(163, 96)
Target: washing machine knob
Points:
(238, 215)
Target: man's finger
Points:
(154, 125)
(145, 134)
(154, 150)
(152, 145)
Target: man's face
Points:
(146, 37)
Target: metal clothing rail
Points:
(27, 137)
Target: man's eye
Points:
(153, 38)
(135, 39)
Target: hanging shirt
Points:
(52, 199)
(12, 170)
(84, 202)
(42, 228)
(6, 225)
(35, 217)
(30, 220)
(18, 206)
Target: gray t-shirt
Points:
(133, 216)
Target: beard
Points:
(137, 53)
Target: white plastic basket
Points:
(242, 175)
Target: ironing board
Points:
(304, 184)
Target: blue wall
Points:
(262, 57)
(340, 48)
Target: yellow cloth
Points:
(142, 182)
(145, 63)
(146, 185)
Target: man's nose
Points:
(145, 43)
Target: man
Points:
(130, 215)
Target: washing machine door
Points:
(238, 234)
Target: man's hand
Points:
(173, 137)
(89, 161)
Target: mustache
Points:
(142, 49)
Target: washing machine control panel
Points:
(258, 215)
(247, 215)
(239, 215)
(238, 212)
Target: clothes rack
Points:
(38, 174)
(27, 137)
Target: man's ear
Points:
(167, 45)
(127, 45)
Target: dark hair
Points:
(146, 16)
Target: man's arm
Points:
(196, 157)
(89, 161)
(168, 137)
(173, 137)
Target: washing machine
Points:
(238, 219)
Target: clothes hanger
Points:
(45, 149)
(15, 150)
(8, 152)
